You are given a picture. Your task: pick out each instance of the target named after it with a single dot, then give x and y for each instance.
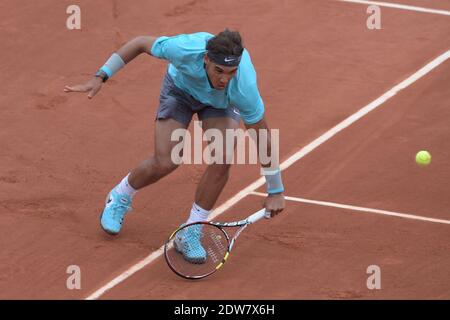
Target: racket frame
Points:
(220, 225)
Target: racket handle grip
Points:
(258, 215)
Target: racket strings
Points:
(196, 250)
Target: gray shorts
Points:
(176, 104)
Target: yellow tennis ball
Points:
(423, 158)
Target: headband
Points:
(224, 60)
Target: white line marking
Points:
(286, 164)
(400, 6)
(349, 207)
(141, 264)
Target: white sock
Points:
(198, 214)
(124, 187)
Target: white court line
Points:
(287, 163)
(355, 208)
(135, 268)
(399, 6)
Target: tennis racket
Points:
(197, 250)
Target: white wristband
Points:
(273, 180)
(114, 64)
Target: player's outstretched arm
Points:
(117, 61)
(135, 47)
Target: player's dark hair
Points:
(227, 43)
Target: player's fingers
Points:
(94, 91)
(68, 89)
(91, 94)
(271, 212)
(76, 88)
(275, 212)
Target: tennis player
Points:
(212, 76)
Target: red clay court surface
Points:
(317, 64)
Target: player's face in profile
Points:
(219, 75)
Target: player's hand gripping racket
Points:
(197, 250)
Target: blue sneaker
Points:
(188, 243)
(116, 206)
